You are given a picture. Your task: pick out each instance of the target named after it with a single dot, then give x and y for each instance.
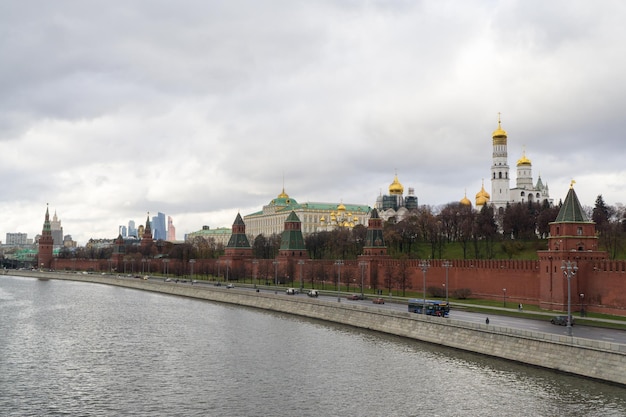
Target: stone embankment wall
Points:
(590, 358)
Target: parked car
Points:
(313, 293)
(378, 300)
(291, 291)
(355, 297)
(561, 320)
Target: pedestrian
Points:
(487, 320)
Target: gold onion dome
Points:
(341, 207)
(465, 201)
(523, 160)
(499, 135)
(482, 197)
(396, 188)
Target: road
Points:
(541, 324)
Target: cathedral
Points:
(502, 193)
(395, 204)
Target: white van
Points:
(291, 291)
(313, 293)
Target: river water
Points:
(80, 349)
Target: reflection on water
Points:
(72, 348)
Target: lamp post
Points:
(582, 305)
(255, 264)
(165, 261)
(362, 265)
(227, 265)
(569, 269)
(424, 265)
(143, 266)
(447, 265)
(339, 263)
(191, 262)
(301, 262)
(504, 299)
(275, 273)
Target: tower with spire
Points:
(572, 239)
(46, 243)
(146, 237)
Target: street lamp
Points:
(301, 262)
(362, 265)
(447, 265)
(569, 269)
(165, 261)
(582, 305)
(191, 262)
(255, 264)
(143, 266)
(227, 265)
(339, 263)
(504, 299)
(275, 273)
(424, 265)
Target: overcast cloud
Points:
(201, 109)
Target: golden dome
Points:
(482, 197)
(283, 194)
(465, 201)
(396, 188)
(341, 207)
(523, 160)
(499, 135)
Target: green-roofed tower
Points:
(291, 239)
(238, 238)
(572, 230)
(572, 241)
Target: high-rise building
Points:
(159, 232)
(57, 230)
(122, 231)
(132, 230)
(171, 230)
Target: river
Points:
(72, 348)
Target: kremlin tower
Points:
(46, 242)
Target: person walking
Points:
(487, 320)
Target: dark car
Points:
(355, 297)
(561, 320)
(378, 300)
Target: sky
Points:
(203, 109)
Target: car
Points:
(561, 320)
(313, 293)
(378, 300)
(355, 297)
(168, 280)
(291, 291)
(230, 286)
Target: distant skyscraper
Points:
(132, 230)
(171, 230)
(57, 230)
(158, 227)
(122, 231)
